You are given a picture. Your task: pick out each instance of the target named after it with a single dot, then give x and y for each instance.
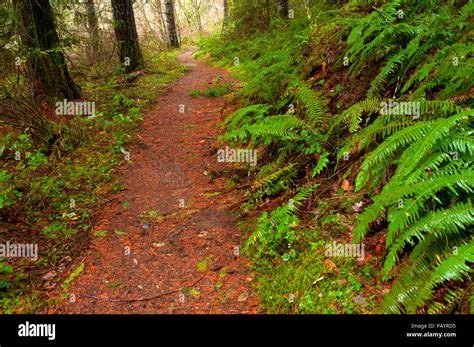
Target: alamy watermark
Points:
(400, 108)
(19, 250)
(353, 250)
(75, 108)
(230, 155)
(414, 108)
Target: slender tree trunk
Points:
(171, 24)
(226, 10)
(283, 8)
(47, 67)
(225, 20)
(126, 35)
(93, 25)
(197, 12)
(162, 19)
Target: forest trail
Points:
(158, 256)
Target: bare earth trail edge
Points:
(176, 259)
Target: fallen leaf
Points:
(328, 264)
(100, 233)
(345, 185)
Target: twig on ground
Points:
(143, 299)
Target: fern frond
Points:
(314, 103)
(355, 112)
(321, 165)
(387, 149)
(266, 224)
(414, 153)
(247, 114)
(261, 182)
(380, 82)
(281, 127)
(438, 224)
(422, 191)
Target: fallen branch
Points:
(143, 299)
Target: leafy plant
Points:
(425, 160)
(278, 229)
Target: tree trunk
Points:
(126, 35)
(197, 12)
(47, 67)
(171, 23)
(283, 8)
(93, 25)
(162, 19)
(226, 10)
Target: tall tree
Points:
(126, 35)
(47, 67)
(283, 8)
(171, 23)
(226, 13)
(163, 31)
(197, 12)
(225, 20)
(226, 9)
(93, 26)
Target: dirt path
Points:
(159, 265)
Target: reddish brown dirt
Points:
(169, 167)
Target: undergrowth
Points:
(367, 109)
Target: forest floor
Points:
(169, 242)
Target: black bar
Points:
(313, 330)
